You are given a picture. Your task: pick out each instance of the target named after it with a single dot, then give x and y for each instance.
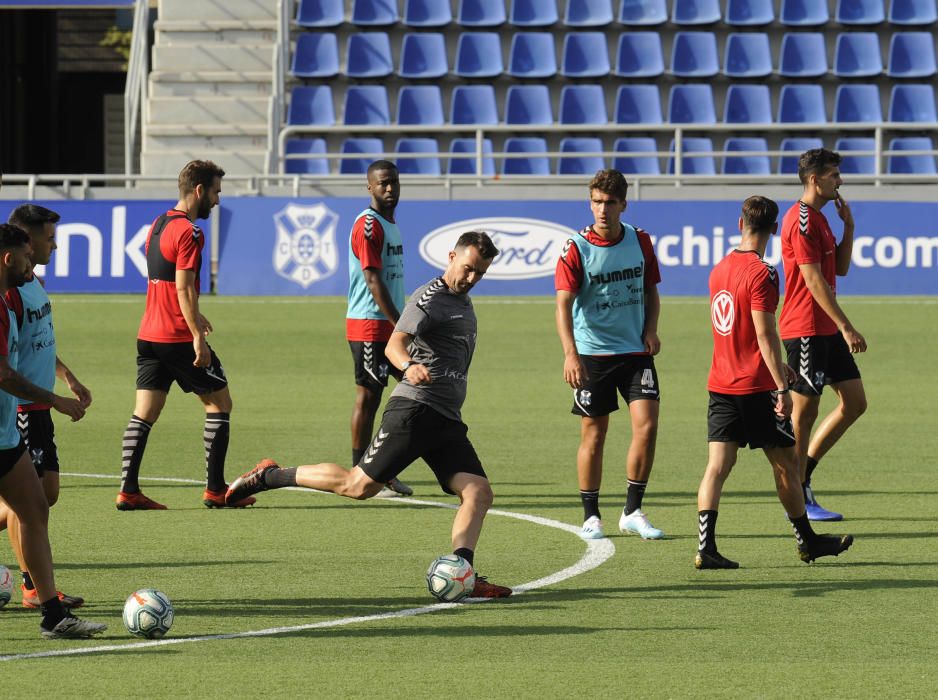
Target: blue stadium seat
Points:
(311, 105)
(691, 104)
(921, 164)
(533, 13)
(801, 104)
(695, 12)
(425, 165)
(694, 55)
(585, 55)
(528, 104)
(374, 13)
(306, 166)
(427, 13)
(913, 12)
(420, 104)
(860, 12)
(583, 164)
(638, 104)
(788, 165)
(639, 55)
(635, 163)
(423, 56)
(912, 55)
(316, 56)
(803, 13)
(856, 55)
(747, 55)
(912, 103)
(749, 13)
(857, 103)
(366, 104)
(481, 13)
(747, 104)
(478, 55)
(532, 55)
(803, 55)
(643, 13)
(368, 55)
(359, 166)
(532, 165)
(319, 14)
(583, 104)
(473, 104)
(588, 13)
(467, 164)
(746, 165)
(857, 165)
(694, 165)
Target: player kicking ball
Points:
(750, 401)
(432, 344)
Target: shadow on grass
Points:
(149, 566)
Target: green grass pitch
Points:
(643, 624)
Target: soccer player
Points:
(607, 319)
(750, 401)
(818, 336)
(375, 300)
(171, 345)
(432, 344)
(20, 488)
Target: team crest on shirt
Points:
(722, 312)
(305, 250)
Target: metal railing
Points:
(275, 109)
(135, 89)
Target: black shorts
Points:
(820, 360)
(161, 364)
(9, 458)
(633, 376)
(409, 430)
(38, 434)
(748, 419)
(371, 366)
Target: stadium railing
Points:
(135, 89)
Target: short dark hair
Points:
(28, 216)
(759, 213)
(381, 165)
(610, 182)
(482, 242)
(12, 236)
(816, 162)
(198, 172)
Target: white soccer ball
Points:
(450, 578)
(148, 613)
(6, 585)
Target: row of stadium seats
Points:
(638, 55)
(639, 161)
(599, 13)
(586, 104)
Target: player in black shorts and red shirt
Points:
(171, 345)
(750, 401)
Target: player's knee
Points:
(52, 497)
(855, 408)
(480, 494)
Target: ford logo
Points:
(528, 248)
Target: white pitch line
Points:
(597, 553)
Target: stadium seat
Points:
(585, 55)
(911, 55)
(920, 164)
(359, 166)
(695, 12)
(694, 165)
(427, 13)
(306, 166)
(691, 104)
(426, 165)
(856, 55)
(580, 165)
(639, 55)
(374, 13)
(857, 164)
(746, 165)
(913, 12)
(588, 13)
(467, 165)
(316, 55)
(528, 104)
(532, 55)
(638, 104)
(643, 13)
(423, 56)
(747, 55)
(473, 104)
(311, 105)
(320, 14)
(368, 55)
(912, 103)
(635, 163)
(788, 165)
(859, 12)
(694, 55)
(366, 104)
(481, 13)
(803, 13)
(747, 104)
(749, 13)
(531, 165)
(803, 55)
(801, 104)
(857, 103)
(583, 104)
(533, 13)
(478, 55)
(420, 104)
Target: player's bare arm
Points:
(380, 294)
(81, 392)
(574, 373)
(652, 313)
(771, 349)
(396, 352)
(821, 291)
(12, 382)
(845, 248)
(189, 305)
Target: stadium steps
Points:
(170, 162)
(213, 57)
(200, 109)
(234, 11)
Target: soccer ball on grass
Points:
(450, 578)
(148, 613)
(6, 585)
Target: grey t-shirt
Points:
(443, 325)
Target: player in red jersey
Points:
(171, 345)
(818, 335)
(750, 401)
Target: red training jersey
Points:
(739, 284)
(367, 246)
(569, 273)
(806, 238)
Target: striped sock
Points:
(634, 495)
(134, 443)
(590, 503)
(707, 527)
(215, 436)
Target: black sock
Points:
(812, 464)
(357, 455)
(804, 533)
(707, 527)
(590, 503)
(134, 443)
(215, 436)
(53, 612)
(633, 497)
(279, 478)
(27, 581)
(465, 553)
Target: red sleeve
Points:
(184, 245)
(569, 273)
(652, 272)
(763, 288)
(14, 300)
(4, 331)
(368, 241)
(806, 243)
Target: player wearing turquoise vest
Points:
(607, 319)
